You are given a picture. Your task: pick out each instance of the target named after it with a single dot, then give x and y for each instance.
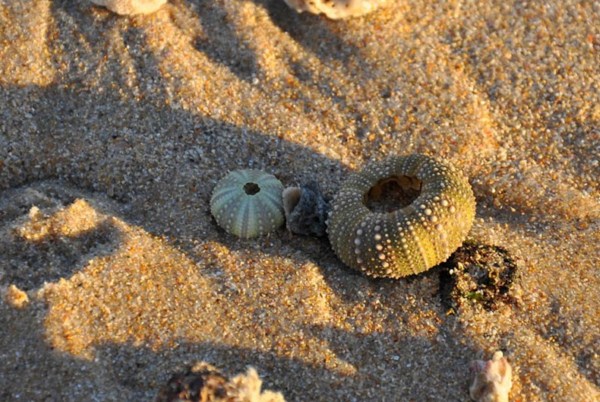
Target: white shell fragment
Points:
(493, 379)
(336, 9)
(131, 7)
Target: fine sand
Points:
(114, 130)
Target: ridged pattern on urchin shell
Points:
(248, 215)
(408, 240)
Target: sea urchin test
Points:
(247, 203)
(401, 216)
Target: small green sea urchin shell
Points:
(247, 203)
(401, 216)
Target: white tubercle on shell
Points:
(336, 9)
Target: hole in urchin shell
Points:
(251, 188)
(393, 193)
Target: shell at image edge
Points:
(131, 7)
(412, 238)
(247, 203)
(336, 9)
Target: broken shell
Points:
(305, 210)
(493, 379)
(131, 7)
(15, 297)
(203, 382)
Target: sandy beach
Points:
(114, 131)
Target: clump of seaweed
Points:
(336, 9)
(477, 274)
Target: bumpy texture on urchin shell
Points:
(248, 215)
(409, 240)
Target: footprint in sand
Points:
(49, 231)
(102, 280)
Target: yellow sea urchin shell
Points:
(431, 211)
(247, 203)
